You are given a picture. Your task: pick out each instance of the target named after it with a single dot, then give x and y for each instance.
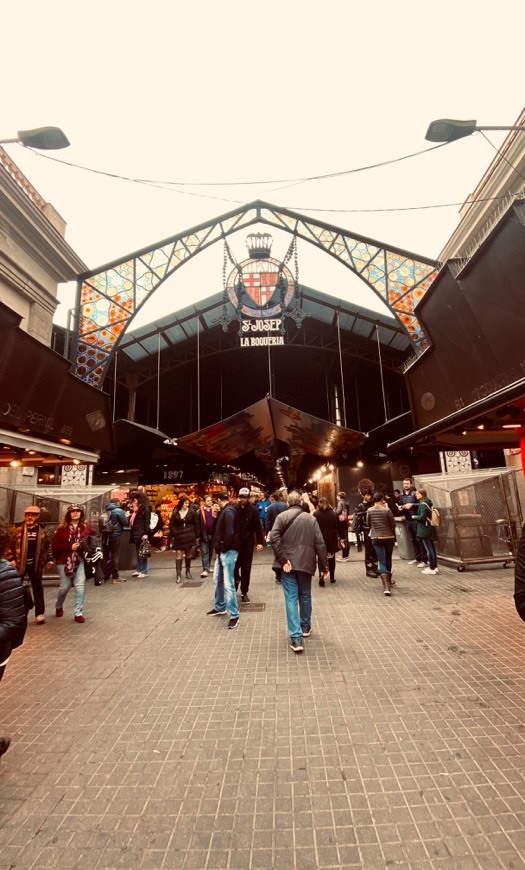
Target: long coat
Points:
(331, 528)
(184, 531)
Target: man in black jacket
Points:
(249, 531)
(226, 544)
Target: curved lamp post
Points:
(43, 138)
(447, 130)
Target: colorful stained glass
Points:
(111, 297)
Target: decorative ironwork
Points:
(109, 297)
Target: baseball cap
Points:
(244, 490)
(32, 509)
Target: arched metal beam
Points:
(109, 297)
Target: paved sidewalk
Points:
(153, 737)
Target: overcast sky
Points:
(245, 92)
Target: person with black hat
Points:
(250, 531)
(32, 552)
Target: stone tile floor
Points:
(153, 737)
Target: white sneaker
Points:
(40, 619)
(430, 571)
(140, 576)
(204, 574)
(422, 565)
(413, 562)
(135, 574)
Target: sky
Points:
(237, 101)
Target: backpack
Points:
(357, 524)
(105, 523)
(343, 516)
(435, 518)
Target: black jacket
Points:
(13, 617)
(519, 576)
(249, 525)
(140, 525)
(330, 526)
(184, 530)
(227, 535)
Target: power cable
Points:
(321, 177)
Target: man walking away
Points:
(249, 532)
(298, 544)
(226, 545)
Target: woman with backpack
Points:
(425, 531)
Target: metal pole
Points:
(269, 374)
(381, 371)
(158, 383)
(198, 377)
(115, 385)
(341, 369)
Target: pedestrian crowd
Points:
(225, 531)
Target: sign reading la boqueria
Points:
(261, 333)
(260, 289)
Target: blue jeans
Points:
(384, 548)
(225, 594)
(79, 582)
(297, 588)
(207, 554)
(430, 549)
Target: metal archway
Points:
(109, 297)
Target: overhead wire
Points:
(301, 179)
(172, 186)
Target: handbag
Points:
(28, 597)
(144, 550)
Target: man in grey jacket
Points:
(297, 544)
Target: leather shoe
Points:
(59, 611)
(79, 618)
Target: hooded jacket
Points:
(118, 518)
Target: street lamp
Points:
(447, 130)
(44, 138)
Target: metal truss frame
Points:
(108, 298)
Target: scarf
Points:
(73, 560)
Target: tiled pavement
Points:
(153, 737)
